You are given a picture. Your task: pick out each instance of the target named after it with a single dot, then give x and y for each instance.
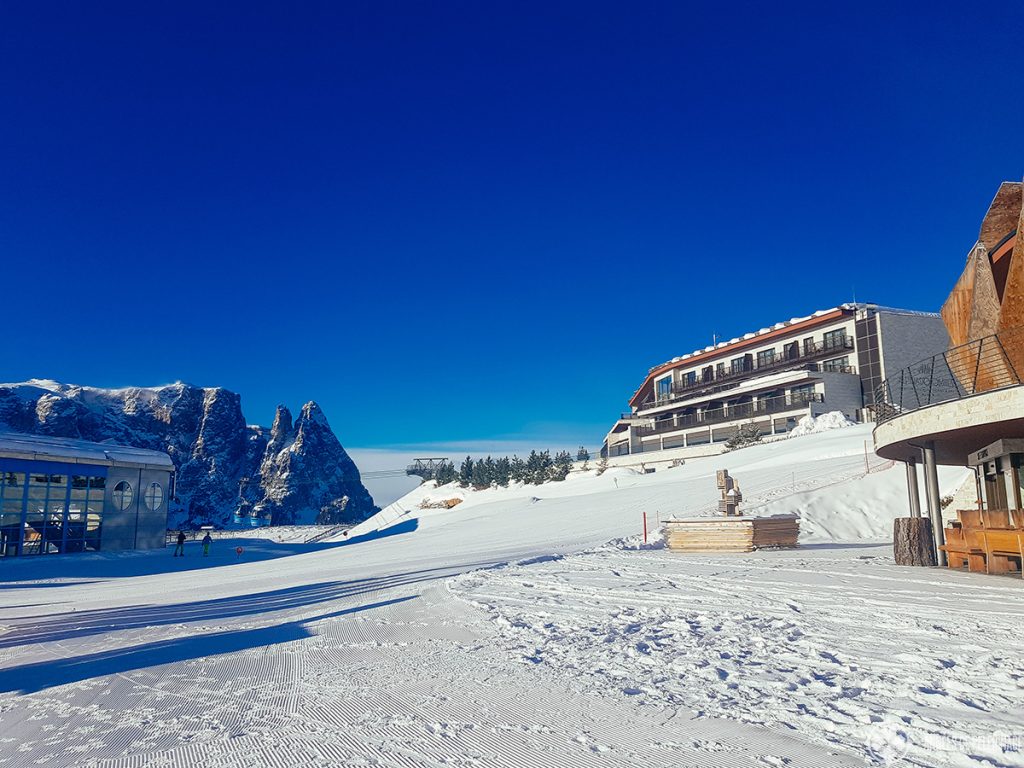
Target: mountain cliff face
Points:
(293, 473)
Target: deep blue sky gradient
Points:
(468, 221)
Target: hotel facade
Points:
(833, 360)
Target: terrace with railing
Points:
(979, 366)
(711, 380)
(765, 407)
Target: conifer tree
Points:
(517, 470)
(533, 468)
(563, 465)
(502, 471)
(480, 479)
(466, 473)
(445, 473)
(582, 454)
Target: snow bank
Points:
(813, 425)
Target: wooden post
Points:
(645, 527)
(912, 542)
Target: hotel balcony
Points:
(712, 382)
(736, 412)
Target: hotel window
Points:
(690, 378)
(791, 351)
(838, 364)
(664, 387)
(720, 370)
(765, 358)
(835, 339)
(802, 394)
(736, 365)
(809, 345)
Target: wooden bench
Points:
(986, 541)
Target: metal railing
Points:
(764, 407)
(715, 381)
(982, 365)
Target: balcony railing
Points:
(982, 365)
(716, 382)
(764, 407)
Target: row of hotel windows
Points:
(833, 340)
(49, 514)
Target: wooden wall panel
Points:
(1011, 314)
(1002, 215)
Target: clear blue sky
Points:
(469, 221)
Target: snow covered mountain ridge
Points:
(295, 472)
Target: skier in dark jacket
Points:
(206, 544)
(180, 549)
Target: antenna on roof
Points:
(714, 339)
(854, 289)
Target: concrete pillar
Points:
(931, 487)
(912, 490)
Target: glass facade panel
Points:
(74, 524)
(838, 364)
(47, 513)
(665, 387)
(12, 502)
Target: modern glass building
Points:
(60, 496)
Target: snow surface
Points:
(528, 626)
(812, 425)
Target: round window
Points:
(154, 496)
(123, 495)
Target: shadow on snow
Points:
(50, 628)
(16, 571)
(31, 678)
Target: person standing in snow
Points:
(180, 549)
(206, 544)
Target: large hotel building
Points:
(833, 360)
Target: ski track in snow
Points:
(842, 648)
(509, 633)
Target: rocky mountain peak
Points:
(292, 473)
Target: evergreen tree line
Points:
(537, 468)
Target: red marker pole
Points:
(645, 527)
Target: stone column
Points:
(931, 487)
(912, 490)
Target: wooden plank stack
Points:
(733, 534)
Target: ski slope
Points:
(526, 626)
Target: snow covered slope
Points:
(841, 491)
(526, 627)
